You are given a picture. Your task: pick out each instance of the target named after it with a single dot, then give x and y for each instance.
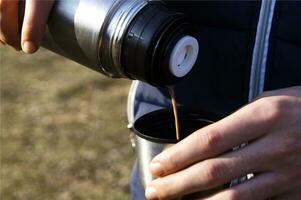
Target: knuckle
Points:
(212, 174)
(289, 146)
(235, 195)
(211, 138)
(271, 109)
(164, 189)
(172, 163)
(238, 194)
(286, 151)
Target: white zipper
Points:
(261, 47)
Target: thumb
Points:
(34, 23)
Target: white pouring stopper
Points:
(183, 56)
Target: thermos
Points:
(135, 39)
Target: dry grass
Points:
(63, 132)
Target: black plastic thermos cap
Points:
(149, 42)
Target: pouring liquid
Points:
(171, 91)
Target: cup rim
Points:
(209, 117)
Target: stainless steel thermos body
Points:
(82, 29)
(136, 39)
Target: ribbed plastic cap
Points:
(183, 56)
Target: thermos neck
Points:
(112, 34)
(150, 45)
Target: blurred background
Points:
(63, 130)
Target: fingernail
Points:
(156, 169)
(28, 47)
(151, 193)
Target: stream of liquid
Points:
(171, 91)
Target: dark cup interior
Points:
(159, 126)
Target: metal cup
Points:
(155, 131)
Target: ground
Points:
(63, 130)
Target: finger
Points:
(9, 27)
(246, 124)
(34, 23)
(260, 187)
(293, 194)
(211, 173)
(291, 91)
